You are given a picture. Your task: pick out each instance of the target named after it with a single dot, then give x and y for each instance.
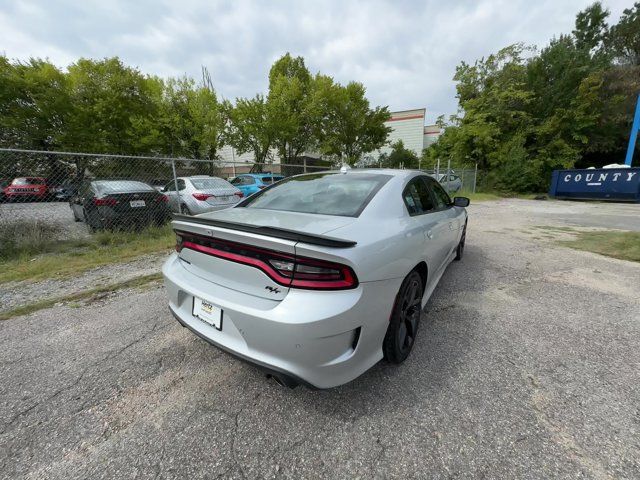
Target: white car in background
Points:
(200, 194)
(317, 277)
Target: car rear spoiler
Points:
(269, 231)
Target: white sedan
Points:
(320, 276)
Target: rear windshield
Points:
(323, 193)
(28, 181)
(121, 186)
(269, 180)
(209, 183)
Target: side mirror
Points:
(461, 202)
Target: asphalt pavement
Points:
(527, 365)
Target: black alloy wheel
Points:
(405, 319)
(460, 248)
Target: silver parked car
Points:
(319, 276)
(200, 194)
(451, 182)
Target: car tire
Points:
(460, 247)
(405, 320)
(91, 225)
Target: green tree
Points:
(591, 27)
(34, 112)
(399, 157)
(524, 112)
(34, 104)
(107, 97)
(251, 128)
(624, 37)
(348, 126)
(290, 108)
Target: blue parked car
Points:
(250, 183)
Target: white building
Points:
(408, 126)
(431, 135)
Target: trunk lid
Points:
(301, 222)
(237, 276)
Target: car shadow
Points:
(445, 341)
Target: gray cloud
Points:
(405, 52)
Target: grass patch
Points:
(479, 196)
(621, 245)
(61, 259)
(26, 238)
(76, 298)
(495, 195)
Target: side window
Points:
(170, 187)
(441, 196)
(248, 181)
(417, 197)
(181, 185)
(236, 181)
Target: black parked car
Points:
(119, 203)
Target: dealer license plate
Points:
(207, 312)
(137, 203)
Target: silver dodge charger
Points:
(318, 277)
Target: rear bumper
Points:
(322, 339)
(197, 208)
(286, 378)
(35, 195)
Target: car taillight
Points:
(202, 196)
(315, 274)
(105, 202)
(287, 270)
(162, 198)
(239, 194)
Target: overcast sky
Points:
(405, 52)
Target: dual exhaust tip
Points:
(283, 380)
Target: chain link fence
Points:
(68, 195)
(456, 181)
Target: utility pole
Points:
(233, 158)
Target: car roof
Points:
(263, 174)
(395, 172)
(197, 177)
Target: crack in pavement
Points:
(110, 355)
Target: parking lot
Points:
(527, 365)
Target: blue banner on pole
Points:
(634, 134)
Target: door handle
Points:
(428, 234)
(451, 226)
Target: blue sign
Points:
(601, 184)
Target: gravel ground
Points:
(527, 366)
